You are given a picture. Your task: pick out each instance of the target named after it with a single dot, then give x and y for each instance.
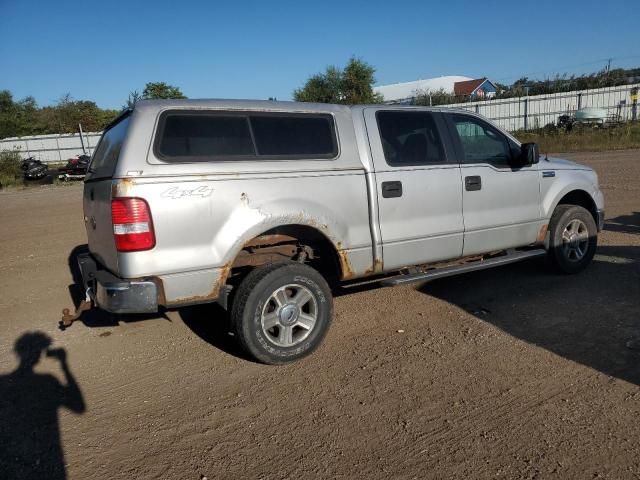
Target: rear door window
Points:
(105, 158)
(410, 138)
(205, 136)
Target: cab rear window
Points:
(205, 136)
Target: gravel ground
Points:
(511, 373)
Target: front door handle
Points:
(391, 189)
(473, 183)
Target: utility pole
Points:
(84, 150)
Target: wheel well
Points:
(290, 242)
(582, 199)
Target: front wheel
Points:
(281, 312)
(573, 237)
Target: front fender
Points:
(566, 182)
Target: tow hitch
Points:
(68, 319)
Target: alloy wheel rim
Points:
(575, 240)
(289, 315)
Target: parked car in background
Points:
(265, 207)
(75, 169)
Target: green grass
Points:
(10, 182)
(10, 171)
(584, 139)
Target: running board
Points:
(514, 256)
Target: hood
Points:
(561, 164)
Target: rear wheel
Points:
(281, 312)
(573, 237)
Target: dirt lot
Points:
(510, 373)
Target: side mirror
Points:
(529, 154)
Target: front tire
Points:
(573, 238)
(281, 312)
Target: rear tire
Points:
(281, 312)
(573, 238)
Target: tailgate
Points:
(97, 193)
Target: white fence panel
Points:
(525, 113)
(52, 148)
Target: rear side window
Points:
(196, 136)
(203, 135)
(105, 158)
(410, 138)
(299, 135)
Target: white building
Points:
(407, 91)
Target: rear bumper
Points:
(115, 294)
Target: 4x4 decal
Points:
(175, 192)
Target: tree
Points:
(16, 118)
(501, 87)
(322, 87)
(67, 113)
(437, 97)
(352, 85)
(131, 101)
(161, 90)
(23, 117)
(357, 83)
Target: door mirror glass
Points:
(529, 155)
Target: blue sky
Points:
(103, 50)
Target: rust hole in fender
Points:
(345, 265)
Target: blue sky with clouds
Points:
(244, 49)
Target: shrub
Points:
(10, 169)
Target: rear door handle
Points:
(391, 189)
(473, 183)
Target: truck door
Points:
(501, 205)
(419, 190)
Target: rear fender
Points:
(249, 221)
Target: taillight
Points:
(132, 224)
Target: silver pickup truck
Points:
(266, 207)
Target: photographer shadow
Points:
(30, 445)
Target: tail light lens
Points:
(132, 225)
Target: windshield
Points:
(105, 158)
